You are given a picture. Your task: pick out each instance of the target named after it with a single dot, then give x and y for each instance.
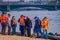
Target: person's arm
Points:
(43, 24)
(16, 24)
(40, 22)
(11, 22)
(31, 23)
(46, 22)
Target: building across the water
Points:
(46, 4)
(30, 1)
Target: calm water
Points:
(53, 17)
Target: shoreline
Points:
(17, 36)
(14, 37)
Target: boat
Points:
(54, 36)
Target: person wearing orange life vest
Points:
(22, 25)
(4, 20)
(44, 27)
(13, 25)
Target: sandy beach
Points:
(14, 37)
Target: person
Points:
(44, 27)
(37, 27)
(28, 25)
(4, 20)
(13, 25)
(9, 24)
(22, 25)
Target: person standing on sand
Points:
(4, 20)
(22, 25)
(13, 25)
(28, 25)
(44, 27)
(37, 27)
(9, 24)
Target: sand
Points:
(14, 37)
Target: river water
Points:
(53, 17)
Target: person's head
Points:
(45, 18)
(13, 17)
(3, 13)
(21, 15)
(27, 17)
(9, 15)
(35, 17)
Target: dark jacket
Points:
(28, 23)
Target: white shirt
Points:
(9, 21)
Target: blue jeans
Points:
(28, 31)
(3, 27)
(14, 29)
(37, 29)
(43, 34)
(4, 24)
(22, 30)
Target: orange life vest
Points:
(44, 24)
(14, 22)
(22, 20)
(4, 18)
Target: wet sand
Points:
(14, 37)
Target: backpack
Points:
(39, 22)
(21, 20)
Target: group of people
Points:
(25, 25)
(6, 21)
